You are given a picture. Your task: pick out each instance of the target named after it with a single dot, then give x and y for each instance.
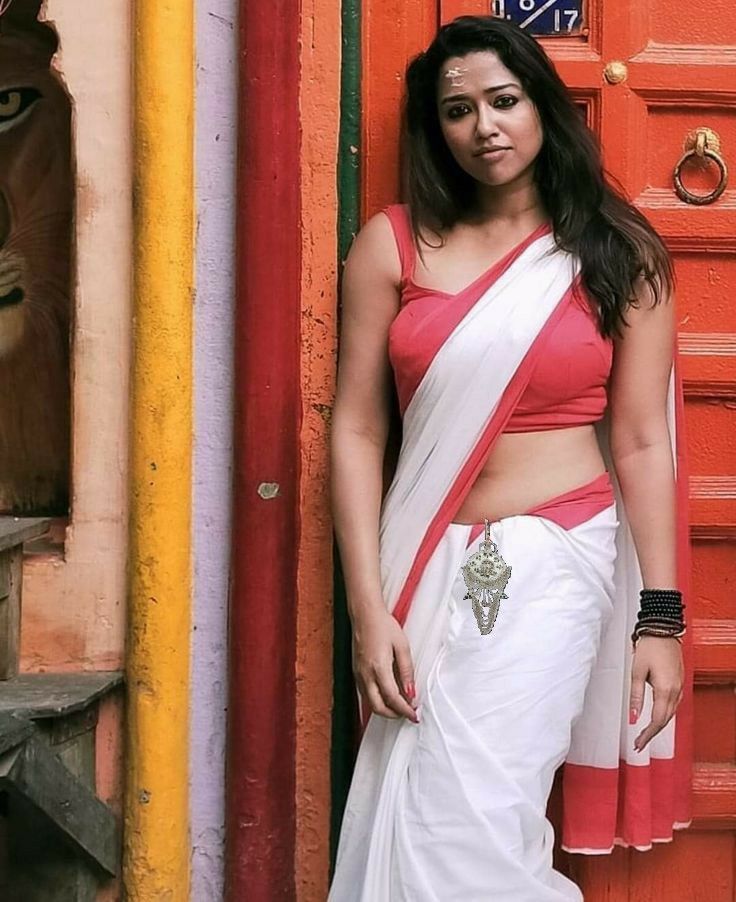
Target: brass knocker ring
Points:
(699, 148)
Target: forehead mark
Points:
(456, 76)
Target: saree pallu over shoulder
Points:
(611, 794)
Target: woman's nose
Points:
(486, 125)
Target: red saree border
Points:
(629, 805)
(599, 793)
(570, 508)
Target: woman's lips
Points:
(493, 154)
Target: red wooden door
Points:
(648, 74)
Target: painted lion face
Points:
(35, 198)
(36, 194)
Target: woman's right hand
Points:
(378, 639)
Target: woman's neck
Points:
(514, 203)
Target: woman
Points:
(534, 413)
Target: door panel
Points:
(393, 32)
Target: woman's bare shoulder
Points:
(370, 302)
(373, 254)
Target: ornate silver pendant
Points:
(486, 575)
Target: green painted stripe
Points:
(344, 718)
(348, 163)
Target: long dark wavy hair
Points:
(591, 217)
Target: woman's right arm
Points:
(359, 432)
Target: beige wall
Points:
(74, 604)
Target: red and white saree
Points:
(439, 810)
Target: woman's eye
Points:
(506, 101)
(456, 111)
(14, 103)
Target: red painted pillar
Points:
(260, 818)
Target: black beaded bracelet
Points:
(661, 601)
(660, 614)
(666, 612)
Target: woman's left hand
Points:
(658, 661)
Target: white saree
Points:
(453, 808)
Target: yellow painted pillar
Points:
(156, 839)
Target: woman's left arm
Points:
(642, 457)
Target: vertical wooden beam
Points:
(344, 709)
(319, 102)
(156, 853)
(14, 531)
(261, 815)
(11, 564)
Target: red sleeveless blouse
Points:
(569, 384)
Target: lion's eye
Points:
(14, 103)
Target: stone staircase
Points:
(58, 841)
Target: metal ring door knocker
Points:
(703, 144)
(486, 575)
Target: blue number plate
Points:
(542, 17)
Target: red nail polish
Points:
(632, 715)
(410, 690)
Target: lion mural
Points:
(36, 197)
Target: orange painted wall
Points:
(320, 106)
(392, 33)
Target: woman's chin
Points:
(496, 180)
(498, 176)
